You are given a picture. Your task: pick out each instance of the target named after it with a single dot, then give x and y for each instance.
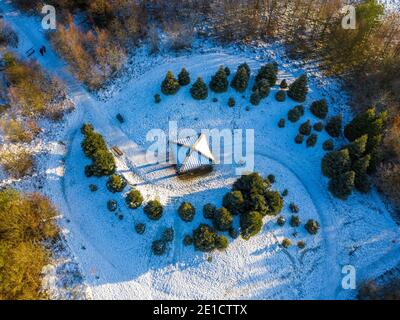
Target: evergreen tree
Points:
(199, 90)
(241, 78)
(170, 85)
(341, 186)
(255, 98)
(250, 224)
(280, 95)
(357, 147)
(268, 72)
(283, 84)
(222, 219)
(184, 77)
(234, 202)
(319, 108)
(305, 128)
(335, 163)
(334, 126)
(298, 89)
(219, 81)
(262, 86)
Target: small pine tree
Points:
(298, 89)
(280, 96)
(299, 139)
(255, 98)
(250, 224)
(241, 79)
(262, 86)
(328, 145)
(184, 77)
(281, 123)
(305, 128)
(219, 81)
(170, 85)
(341, 186)
(334, 126)
(227, 71)
(335, 163)
(223, 219)
(312, 140)
(319, 108)
(231, 102)
(199, 90)
(283, 84)
(358, 147)
(269, 73)
(234, 202)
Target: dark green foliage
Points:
(170, 85)
(219, 81)
(363, 183)
(87, 129)
(154, 210)
(305, 128)
(93, 187)
(286, 243)
(186, 211)
(199, 90)
(241, 78)
(263, 88)
(168, 234)
(183, 77)
(280, 96)
(112, 205)
(298, 89)
(233, 233)
(222, 219)
(295, 221)
(209, 211)
(312, 140)
(283, 84)
(93, 142)
(234, 202)
(285, 192)
(296, 113)
(89, 171)
(274, 202)
(187, 240)
(319, 108)
(281, 123)
(358, 147)
(120, 118)
(116, 183)
(299, 139)
(341, 186)
(159, 247)
(328, 145)
(157, 98)
(204, 238)
(255, 98)
(335, 163)
(246, 67)
(334, 126)
(319, 126)
(227, 71)
(250, 224)
(271, 178)
(221, 242)
(268, 72)
(103, 163)
(281, 221)
(301, 244)
(257, 202)
(231, 102)
(134, 199)
(140, 228)
(312, 226)
(294, 208)
(248, 184)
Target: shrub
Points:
(233, 233)
(209, 211)
(134, 199)
(283, 84)
(319, 108)
(312, 140)
(157, 98)
(286, 243)
(251, 183)
(293, 208)
(250, 224)
(170, 85)
(18, 163)
(262, 86)
(221, 242)
(186, 211)
(204, 238)
(89, 171)
(305, 128)
(187, 240)
(335, 163)
(93, 187)
(234, 202)
(103, 163)
(298, 89)
(271, 178)
(231, 102)
(334, 126)
(112, 205)
(341, 186)
(312, 226)
(159, 247)
(241, 78)
(199, 90)
(154, 210)
(255, 98)
(87, 129)
(222, 219)
(268, 72)
(328, 145)
(214, 99)
(116, 183)
(295, 221)
(274, 202)
(219, 81)
(140, 228)
(281, 221)
(92, 143)
(319, 126)
(168, 234)
(227, 71)
(280, 96)
(301, 244)
(296, 113)
(299, 139)
(281, 123)
(285, 192)
(183, 77)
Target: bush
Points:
(18, 163)
(295, 221)
(334, 126)
(283, 84)
(286, 243)
(271, 178)
(301, 244)
(233, 233)
(234, 202)
(251, 183)
(92, 143)
(140, 228)
(319, 126)
(341, 186)
(204, 238)
(199, 90)
(221, 242)
(250, 224)
(87, 129)
(274, 202)
(335, 163)
(298, 89)
(328, 145)
(262, 86)
(222, 219)
(281, 123)
(241, 78)
(268, 72)
(296, 113)
(112, 205)
(209, 211)
(280, 96)
(285, 192)
(299, 139)
(281, 221)
(305, 128)
(159, 247)
(312, 140)
(319, 108)
(255, 98)
(170, 85)
(186, 211)
(183, 77)
(168, 234)
(103, 163)
(93, 187)
(116, 183)
(219, 81)
(157, 98)
(154, 210)
(294, 208)
(312, 226)
(134, 199)
(231, 102)
(227, 71)
(187, 240)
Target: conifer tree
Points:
(241, 78)
(199, 90)
(334, 126)
(184, 77)
(170, 85)
(219, 81)
(298, 89)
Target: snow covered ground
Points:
(117, 263)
